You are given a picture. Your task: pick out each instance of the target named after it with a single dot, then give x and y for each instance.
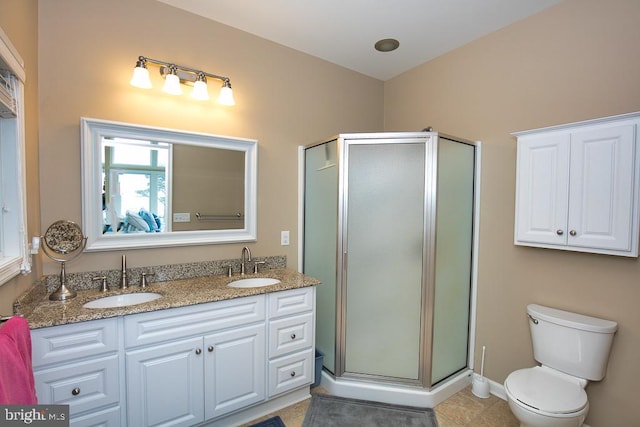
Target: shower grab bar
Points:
(212, 217)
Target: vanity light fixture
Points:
(176, 74)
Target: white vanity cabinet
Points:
(224, 362)
(291, 340)
(78, 365)
(577, 186)
(195, 363)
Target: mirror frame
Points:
(92, 132)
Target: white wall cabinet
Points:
(181, 366)
(577, 186)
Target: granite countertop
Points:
(40, 312)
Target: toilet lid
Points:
(546, 391)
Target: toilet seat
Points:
(545, 390)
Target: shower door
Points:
(383, 257)
(388, 229)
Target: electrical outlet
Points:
(182, 217)
(284, 238)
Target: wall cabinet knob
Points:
(198, 351)
(75, 391)
(210, 348)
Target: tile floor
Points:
(463, 409)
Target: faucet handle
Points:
(103, 285)
(255, 266)
(229, 270)
(143, 279)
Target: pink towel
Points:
(17, 386)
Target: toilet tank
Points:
(573, 343)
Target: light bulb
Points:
(226, 94)
(172, 84)
(140, 77)
(200, 91)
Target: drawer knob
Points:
(293, 336)
(210, 348)
(75, 391)
(293, 373)
(198, 351)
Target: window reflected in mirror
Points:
(134, 174)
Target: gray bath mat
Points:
(333, 411)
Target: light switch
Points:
(284, 238)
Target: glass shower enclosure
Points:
(388, 229)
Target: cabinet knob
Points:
(198, 351)
(75, 391)
(573, 232)
(293, 373)
(559, 232)
(210, 348)
(293, 336)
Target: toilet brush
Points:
(480, 385)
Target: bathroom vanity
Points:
(242, 355)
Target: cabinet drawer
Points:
(291, 302)
(290, 372)
(105, 418)
(161, 326)
(82, 385)
(290, 334)
(67, 342)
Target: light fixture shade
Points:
(140, 77)
(172, 85)
(226, 94)
(200, 91)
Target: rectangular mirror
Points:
(150, 187)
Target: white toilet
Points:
(572, 349)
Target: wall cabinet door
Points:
(234, 369)
(577, 188)
(542, 189)
(165, 384)
(602, 188)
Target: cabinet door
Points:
(165, 384)
(602, 188)
(234, 369)
(542, 189)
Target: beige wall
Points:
(87, 51)
(573, 62)
(19, 20)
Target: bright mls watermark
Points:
(35, 415)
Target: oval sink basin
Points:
(122, 300)
(254, 282)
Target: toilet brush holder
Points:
(480, 387)
(479, 384)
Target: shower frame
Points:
(424, 378)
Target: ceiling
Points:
(344, 31)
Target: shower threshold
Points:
(397, 394)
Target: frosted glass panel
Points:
(453, 258)
(385, 217)
(320, 241)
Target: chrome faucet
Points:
(243, 261)
(123, 273)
